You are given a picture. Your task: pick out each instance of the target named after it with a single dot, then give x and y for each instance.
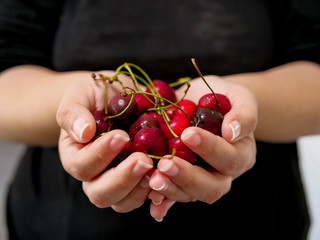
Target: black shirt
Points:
(226, 37)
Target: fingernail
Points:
(236, 129)
(118, 140)
(169, 168)
(159, 220)
(157, 203)
(79, 126)
(191, 137)
(163, 187)
(141, 168)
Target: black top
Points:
(225, 37)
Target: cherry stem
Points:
(200, 74)
(180, 81)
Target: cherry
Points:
(143, 103)
(208, 119)
(148, 120)
(187, 106)
(209, 100)
(118, 103)
(102, 125)
(164, 90)
(177, 124)
(150, 140)
(182, 150)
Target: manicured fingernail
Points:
(191, 137)
(163, 187)
(157, 203)
(236, 129)
(141, 168)
(118, 141)
(159, 220)
(169, 168)
(79, 126)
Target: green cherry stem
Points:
(199, 72)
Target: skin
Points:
(69, 98)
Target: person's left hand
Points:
(229, 156)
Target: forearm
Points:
(288, 100)
(29, 99)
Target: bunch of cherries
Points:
(155, 118)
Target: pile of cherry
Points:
(155, 118)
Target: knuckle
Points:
(96, 198)
(120, 209)
(77, 171)
(233, 167)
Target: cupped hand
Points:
(123, 187)
(229, 156)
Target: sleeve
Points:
(27, 29)
(297, 32)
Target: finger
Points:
(134, 199)
(158, 212)
(200, 184)
(84, 162)
(241, 120)
(74, 112)
(156, 197)
(229, 159)
(116, 183)
(170, 190)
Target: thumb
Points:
(74, 114)
(241, 120)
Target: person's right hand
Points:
(123, 187)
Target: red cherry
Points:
(118, 103)
(148, 120)
(150, 140)
(164, 90)
(143, 103)
(182, 150)
(209, 100)
(187, 106)
(208, 119)
(102, 125)
(177, 123)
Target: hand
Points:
(229, 156)
(123, 187)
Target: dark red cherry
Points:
(177, 123)
(150, 140)
(208, 100)
(118, 103)
(143, 103)
(187, 106)
(102, 125)
(148, 120)
(182, 150)
(164, 90)
(208, 119)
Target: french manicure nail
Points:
(79, 126)
(118, 140)
(169, 168)
(159, 220)
(163, 187)
(191, 137)
(157, 203)
(141, 168)
(236, 129)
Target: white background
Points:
(309, 149)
